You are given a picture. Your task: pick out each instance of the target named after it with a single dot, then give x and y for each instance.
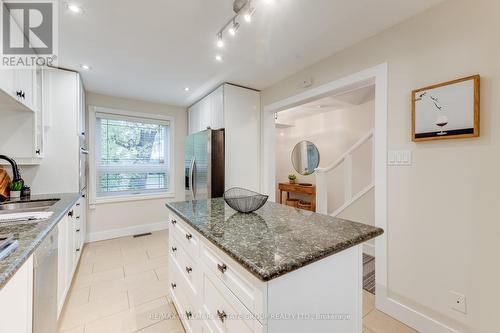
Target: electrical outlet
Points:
(458, 302)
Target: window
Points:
(132, 155)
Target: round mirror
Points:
(305, 157)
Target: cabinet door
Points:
(70, 247)
(24, 81)
(39, 114)
(205, 113)
(217, 108)
(195, 118)
(7, 80)
(16, 301)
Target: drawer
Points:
(185, 235)
(188, 313)
(225, 312)
(187, 268)
(234, 281)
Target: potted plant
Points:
(15, 188)
(292, 178)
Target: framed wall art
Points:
(448, 110)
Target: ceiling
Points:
(151, 50)
(344, 100)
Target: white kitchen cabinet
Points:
(208, 112)
(237, 110)
(16, 301)
(70, 244)
(25, 86)
(22, 130)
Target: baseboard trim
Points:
(122, 232)
(411, 317)
(369, 249)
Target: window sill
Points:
(138, 197)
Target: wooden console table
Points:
(298, 188)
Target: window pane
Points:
(125, 142)
(133, 156)
(118, 182)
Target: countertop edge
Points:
(21, 257)
(265, 277)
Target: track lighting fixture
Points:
(244, 8)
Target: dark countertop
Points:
(274, 240)
(30, 235)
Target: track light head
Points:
(220, 41)
(232, 30)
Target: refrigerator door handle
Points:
(194, 178)
(191, 181)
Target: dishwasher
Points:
(45, 285)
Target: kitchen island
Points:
(280, 269)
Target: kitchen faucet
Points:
(16, 176)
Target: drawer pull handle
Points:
(77, 250)
(222, 315)
(173, 285)
(77, 230)
(189, 315)
(222, 268)
(70, 213)
(174, 221)
(189, 236)
(174, 249)
(188, 269)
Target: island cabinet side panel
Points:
(322, 297)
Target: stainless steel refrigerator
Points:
(204, 165)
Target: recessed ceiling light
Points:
(74, 8)
(218, 58)
(186, 89)
(85, 67)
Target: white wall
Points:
(443, 231)
(139, 215)
(333, 133)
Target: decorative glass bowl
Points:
(243, 200)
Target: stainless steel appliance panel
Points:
(45, 285)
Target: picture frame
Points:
(448, 110)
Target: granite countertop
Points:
(275, 239)
(30, 235)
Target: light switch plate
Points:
(399, 158)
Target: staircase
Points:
(345, 161)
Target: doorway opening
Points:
(374, 80)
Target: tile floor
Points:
(121, 287)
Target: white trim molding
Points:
(93, 199)
(123, 232)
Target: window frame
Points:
(93, 149)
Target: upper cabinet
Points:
(237, 110)
(26, 102)
(208, 112)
